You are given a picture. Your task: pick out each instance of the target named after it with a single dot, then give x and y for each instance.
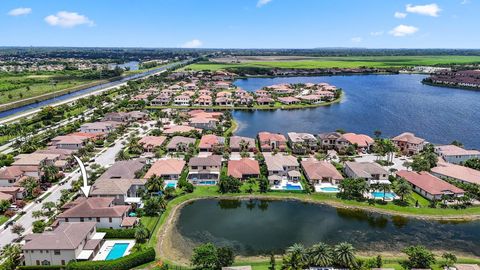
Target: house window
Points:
(110, 219)
(56, 252)
(45, 262)
(37, 262)
(81, 219)
(63, 262)
(66, 219)
(98, 219)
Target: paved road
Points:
(105, 158)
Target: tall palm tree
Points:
(11, 254)
(298, 254)
(344, 255)
(320, 254)
(402, 188)
(154, 184)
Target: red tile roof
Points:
(245, 166)
(429, 183)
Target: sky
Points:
(241, 23)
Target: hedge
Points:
(118, 233)
(124, 263)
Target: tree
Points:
(39, 226)
(17, 229)
(225, 256)
(263, 184)
(49, 208)
(154, 206)
(30, 184)
(272, 262)
(450, 259)
(473, 163)
(11, 253)
(344, 255)
(141, 233)
(154, 184)
(402, 188)
(49, 173)
(295, 258)
(418, 257)
(229, 184)
(320, 254)
(4, 205)
(352, 189)
(205, 257)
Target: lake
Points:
(389, 103)
(255, 227)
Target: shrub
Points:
(42, 267)
(118, 233)
(124, 263)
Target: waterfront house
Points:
(223, 101)
(243, 169)
(70, 241)
(320, 171)
(180, 129)
(456, 172)
(221, 85)
(238, 143)
(302, 142)
(206, 123)
(180, 144)
(150, 143)
(209, 142)
(328, 140)
(168, 169)
(262, 93)
(408, 143)
(204, 170)
(362, 142)
(272, 141)
(288, 100)
(429, 186)
(311, 99)
(125, 191)
(265, 101)
(99, 210)
(455, 154)
(372, 172)
(282, 166)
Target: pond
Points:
(256, 227)
(390, 103)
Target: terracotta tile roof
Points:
(166, 167)
(244, 166)
(179, 129)
(360, 139)
(213, 160)
(317, 170)
(429, 183)
(279, 161)
(267, 136)
(95, 207)
(207, 141)
(408, 138)
(153, 141)
(453, 150)
(66, 236)
(180, 139)
(458, 172)
(11, 172)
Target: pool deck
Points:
(318, 188)
(107, 246)
(284, 183)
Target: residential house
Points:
(12, 194)
(372, 172)
(125, 169)
(116, 117)
(180, 144)
(206, 123)
(168, 169)
(161, 100)
(362, 142)
(150, 143)
(179, 129)
(10, 176)
(97, 127)
(429, 186)
(99, 210)
(70, 241)
(455, 154)
(408, 143)
(204, 100)
(288, 100)
(282, 166)
(456, 172)
(238, 143)
(71, 142)
(265, 101)
(125, 191)
(209, 142)
(328, 140)
(318, 172)
(311, 99)
(181, 100)
(272, 141)
(204, 170)
(31, 164)
(302, 143)
(243, 169)
(223, 101)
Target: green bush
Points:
(124, 263)
(118, 233)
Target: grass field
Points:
(3, 219)
(344, 62)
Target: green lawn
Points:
(344, 62)
(149, 222)
(3, 219)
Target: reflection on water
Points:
(254, 227)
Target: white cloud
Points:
(67, 19)
(261, 3)
(428, 10)
(20, 11)
(376, 34)
(403, 30)
(464, 2)
(400, 15)
(194, 43)
(356, 39)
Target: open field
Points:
(335, 62)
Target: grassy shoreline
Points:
(162, 242)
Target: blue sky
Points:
(241, 23)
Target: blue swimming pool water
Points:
(207, 183)
(379, 195)
(172, 185)
(117, 251)
(292, 187)
(330, 189)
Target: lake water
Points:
(389, 103)
(260, 227)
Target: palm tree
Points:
(298, 254)
(344, 255)
(154, 184)
(320, 254)
(29, 184)
(385, 188)
(11, 254)
(402, 188)
(49, 173)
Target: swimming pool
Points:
(171, 185)
(379, 195)
(329, 189)
(117, 251)
(207, 182)
(292, 187)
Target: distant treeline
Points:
(121, 55)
